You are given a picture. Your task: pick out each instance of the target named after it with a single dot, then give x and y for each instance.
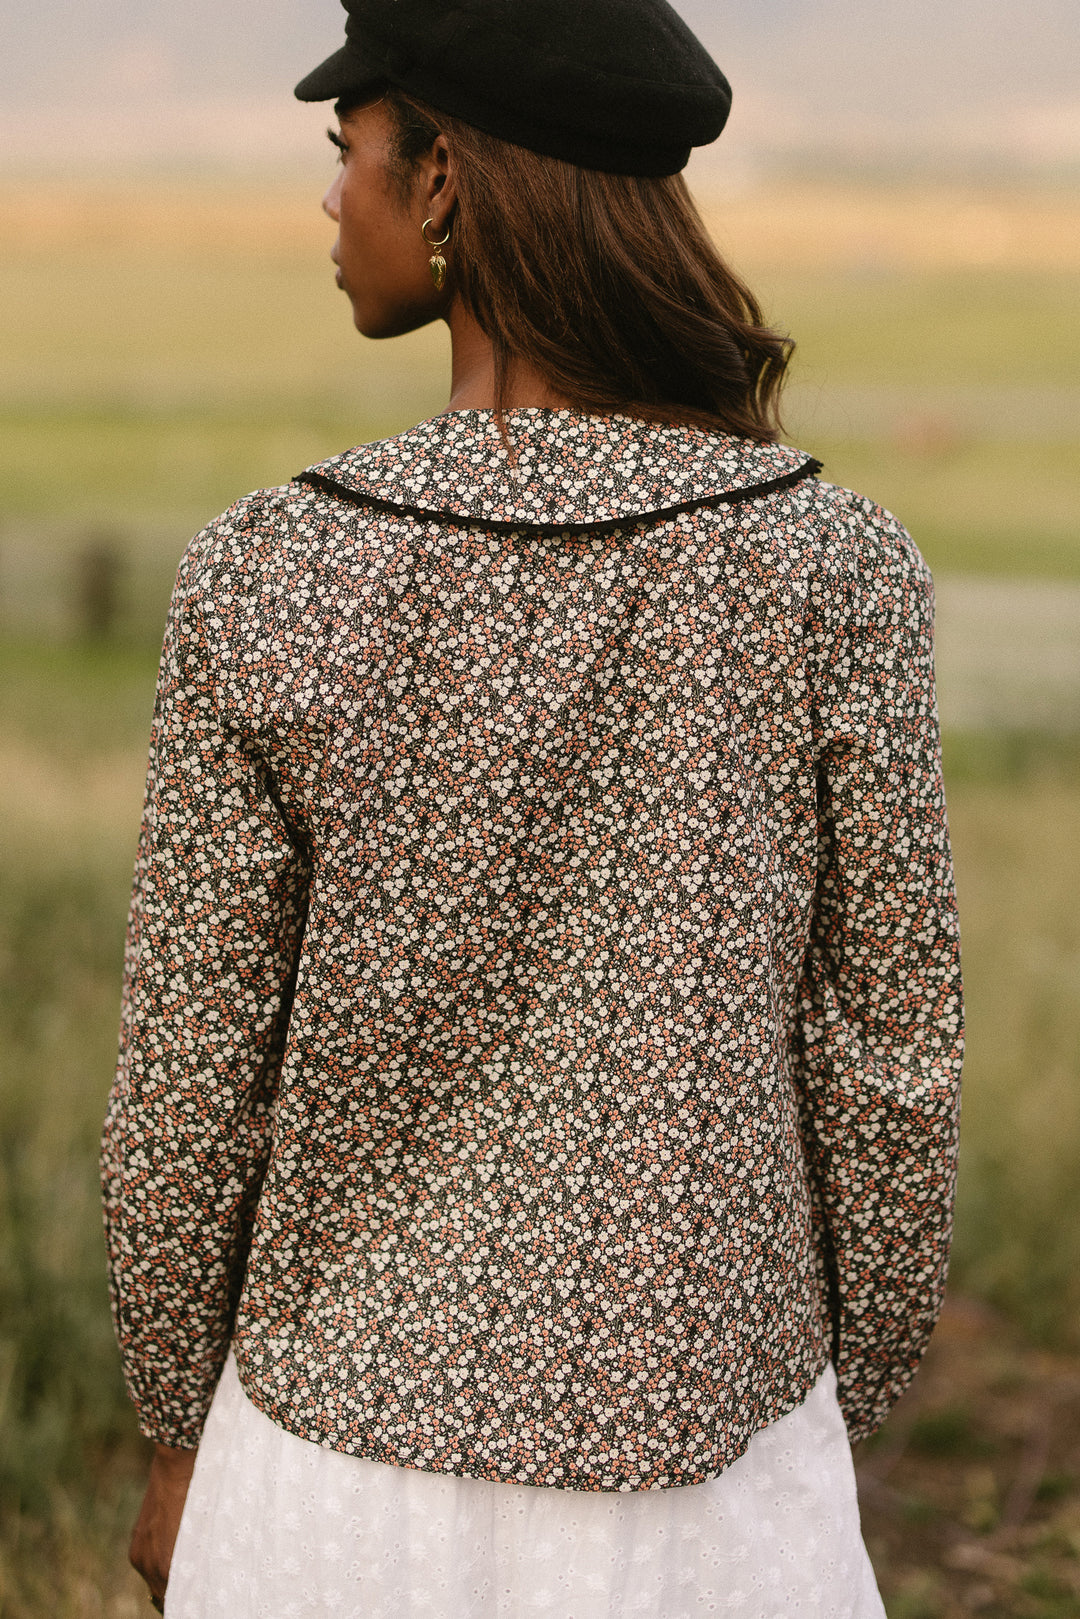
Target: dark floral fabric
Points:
(541, 1030)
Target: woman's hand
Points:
(159, 1518)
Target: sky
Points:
(940, 81)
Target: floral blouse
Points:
(541, 1033)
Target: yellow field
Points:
(817, 224)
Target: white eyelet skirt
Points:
(278, 1528)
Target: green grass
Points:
(977, 327)
(75, 703)
(1018, 1228)
(69, 1454)
(61, 930)
(1014, 812)
(976, 506)
(110, 462)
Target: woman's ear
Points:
(438, 191)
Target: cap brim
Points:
(340, 75)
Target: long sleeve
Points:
(216, 921)
(878, 1033)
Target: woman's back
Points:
(517, 823)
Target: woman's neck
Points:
(472, 373)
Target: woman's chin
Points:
(380, 323)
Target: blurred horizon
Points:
(986, 91)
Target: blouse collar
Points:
(569, 469)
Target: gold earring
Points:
(437, 262)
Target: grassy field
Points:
(168, 348)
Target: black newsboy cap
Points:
(618, 85)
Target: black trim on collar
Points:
(608, 525)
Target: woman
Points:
(534, 1134)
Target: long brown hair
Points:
(607, 284)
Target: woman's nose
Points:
(331, 203)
